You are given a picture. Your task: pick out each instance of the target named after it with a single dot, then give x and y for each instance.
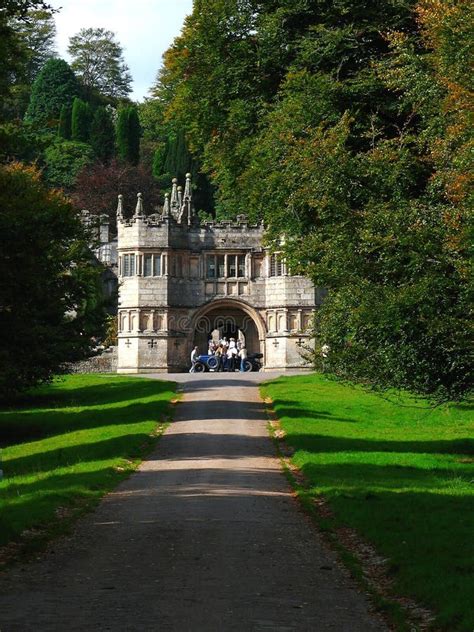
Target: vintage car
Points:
(211, 363)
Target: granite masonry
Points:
(182, 282)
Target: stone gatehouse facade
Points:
(182, 282)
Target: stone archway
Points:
(228, 316)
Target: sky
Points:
(144, 29)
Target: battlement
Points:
(178, 210)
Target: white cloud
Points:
(144, 28)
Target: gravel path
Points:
(205, 536)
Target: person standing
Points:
(194, 359)
(243, 357)
(220, 359)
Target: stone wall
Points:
(106, 362)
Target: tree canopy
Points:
(344, 126)
(46, 280)
(56, 85)
(97, 58)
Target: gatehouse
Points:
(183, 282)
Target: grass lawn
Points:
(401, 475)
(66, 444)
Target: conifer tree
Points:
(64, 128)
(81, 121)
(102, 135)
(134, 136)
(128, 135)
(56, 85)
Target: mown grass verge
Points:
(65, 445)
(399, 473)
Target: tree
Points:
(64, 160)
(98, 185)
(97, 58)
(12, 52)
(80, 121)
(64, 127)
(46, 274)
(345, 127)
(55, 86)
(172, 159)
(102, 135)
(37, 32)
(128, 135)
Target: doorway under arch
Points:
(231, 319)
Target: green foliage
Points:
(102, 135)
(83, 434)
(128, 135)
(65, 122)
(80, 121)
(33, 37)
(97, 58)
(64, 160)
(345, 127)
(46, 277)
(15, 57)
(172, 159)
(37, 33)
(396, 471)
(55, 86)
(20, 141)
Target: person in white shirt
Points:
(194, 359)
(243, 357)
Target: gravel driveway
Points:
(205, 536)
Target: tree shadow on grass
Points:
(34, 504)
(131, 445)
(39, 424)
(323, 443)
(293, 410)
(110, 392)
(355, 479)
(426, 538)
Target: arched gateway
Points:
(182, 282)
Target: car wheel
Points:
(247, 366)
(199, 367)
(213, 363)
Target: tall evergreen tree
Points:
(128, 135)
(81, 121)
(64, 128)
(102, 135)
(134, 136)
(56, 85)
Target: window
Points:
(156, 265)
(241, 265)
(211, 266)
(148, 265)
(216, 266)
(152, 265)
(128, 265)
(179, 266)
(221, 266)
(232, 265)
(276, 266)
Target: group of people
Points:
(230, 355)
